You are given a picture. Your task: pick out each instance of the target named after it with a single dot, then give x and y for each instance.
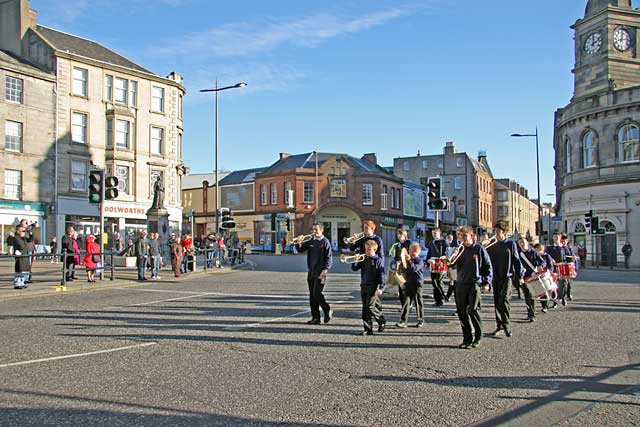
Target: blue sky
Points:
(356, 76)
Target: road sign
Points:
(556, 218)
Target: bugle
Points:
(301, 239)
(351, 259)
(455, 255)
(353, 239)
(489, 242)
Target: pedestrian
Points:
(559, 254)
(474, 270)
(76, 254)
(396, 265)
(544, 300)
(176, 255)
(319, 259)
(154, 255)
(372, 280)
(210, 243)
(368, 229)
(53, 249)
(413, 286)
(187, 246)
(627, 250)
(222, 248)
(22, 264)
(533, 263)
(582, 253)
(91, 259)
(283, 244)
(506, 266)
(437, 249)
(141, 252)
(67, 249)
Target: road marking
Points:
(71, 356)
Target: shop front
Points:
(338, 222)
(11, 212)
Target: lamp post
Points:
(519, 135)
(216, 90)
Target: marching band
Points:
(472, 265)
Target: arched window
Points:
(588, 148)
(568, 154)
(628, 143)
(608, 226)
(580, 228)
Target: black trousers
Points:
(69, 265)
(468, 309)
(316, 298)
(529, 298)
(371, 307)
(412, 296)
(564, 287)
(438, 292)
(501, 300)
(401, 294)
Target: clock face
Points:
(593, 43)
(621, 39)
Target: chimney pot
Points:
(284, 155)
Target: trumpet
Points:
(455, 255)
(351, 259)
(489, 242)
(301, 239)
(353, 239)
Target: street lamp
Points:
(216, 90)
(519, 135)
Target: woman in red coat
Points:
(91, 258)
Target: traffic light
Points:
(587, 219)
(226, 221)
(96, 185)
(595, 225)
(434, 194)
(111, 188)
(288, 224)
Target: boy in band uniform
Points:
(372, 280)
(559, 254)
(530, 258)
(506, 266)
(413, 287)
(474, 270)
(318, 263)
(368, 228)
(437, 248)
(572, 258)
(395, 252)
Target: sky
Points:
(351, 76)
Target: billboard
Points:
(413, 203)
(238, 198)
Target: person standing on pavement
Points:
(22, 264)
(176, 255)
(474, 270)
(372, 280)
(154, 254)
(53, 247)
(68, 249)
(437, 249)
(413, 287)
(141, 252)
(506, 266)
(319, 259)
(627, 250)
(91, 258)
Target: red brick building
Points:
(336, 190)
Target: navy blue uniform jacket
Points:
(505, 260)
(359, 245)
(415, 272)
(371, 271)
(318, 255)
(474, 266)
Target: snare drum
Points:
(438, 265)
(567, 269)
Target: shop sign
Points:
(279, 217)
(388, 220)
(124, 210)
(36, 208)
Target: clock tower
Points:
(607, 41)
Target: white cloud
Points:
(247, 38)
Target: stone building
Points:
(27, 131)
(597, 137)
(111, 113)
(467, 182)
(514, 207)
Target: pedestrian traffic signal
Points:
(111, 188)
(595, 225)
(587, 219)
(226, 221)
(96, 186)
(434, 194)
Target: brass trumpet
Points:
(351, 259)
(489, 242)
(353, 239)
(455, 255)
(301, 239)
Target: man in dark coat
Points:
(22, 264)
(70, 259)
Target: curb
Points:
(246, 265)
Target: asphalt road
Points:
(234, 349)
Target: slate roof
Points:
(308, 160)
(195, 180)
(87, 48)
(15, 60)
(241, 177)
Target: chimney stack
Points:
(449, 148)
(482, 154)
(371, 158)
(284, 155)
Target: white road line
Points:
(166, 300)
(159, 290)
(71, 356)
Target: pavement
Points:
(235, 350)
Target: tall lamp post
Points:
(521, 135)
(216, 90)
